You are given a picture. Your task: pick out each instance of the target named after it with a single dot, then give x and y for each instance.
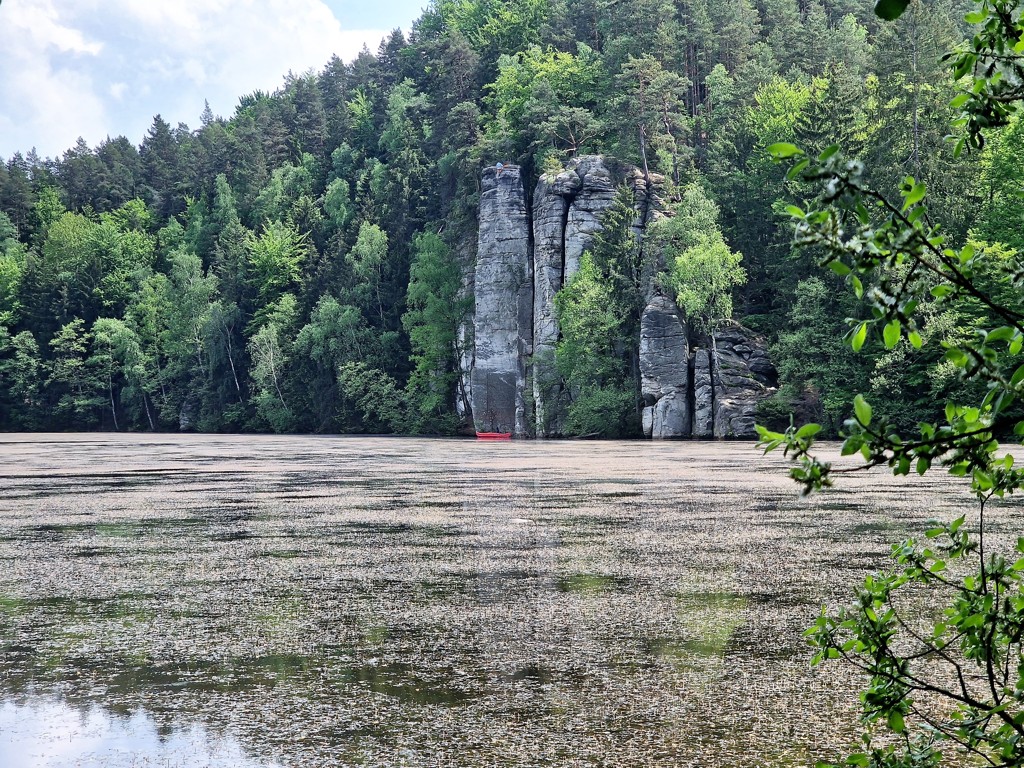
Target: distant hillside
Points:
(303, 264)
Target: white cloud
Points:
(99, 67)
(45, 98)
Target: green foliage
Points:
(819, 371)
(543, 96)
(270, 348)
(603, 411)
(368, 258)
(70, 377)
(320, 189)
(939, 635)
(275, 260)
(434, 322)
(376, 396)
(12, 267)
(20, 377)
(603, 400)
(703, 270)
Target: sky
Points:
(98, 68)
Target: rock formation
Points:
(692, 386)
(551, 202)
(703, 395)
(502, 326)
(567, 211)
(742, 376)
(665, 369)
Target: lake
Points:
(309, 601)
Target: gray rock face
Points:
(671, 417)
(595, 196)
(188, 414)
(703, 395)
(665, 368)
(710, 389)
(551, 201)
(502, 328)
(567, 211)
(743, 376)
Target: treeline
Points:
(298, 266)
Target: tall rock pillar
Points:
(567, 211)
(503, 321)
(665, 369)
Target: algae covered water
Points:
(284, 601)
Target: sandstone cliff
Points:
(502, 325)
(692, 386)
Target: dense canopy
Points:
(298, 266)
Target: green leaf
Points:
(959, 100)
(1018, 377)
(782, 150)
(941, 291)
(859, 337)
(839, 268)
(914, 196)
(915, 339)
(1004, 333)
(891, 334)
(829, 152)
(858, 286)
(957, 357)
(890, 10)
(896, 722)
(798, 168)
(974, 620)
(852, 445)
(976, 17)
(808, 430)
(862, 410)
(983, 480)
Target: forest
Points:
(299, 266)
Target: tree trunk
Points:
(113, 408)
(149, 416)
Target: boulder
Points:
(743, 376)
(665, 367)
(665, 355)
(671, 417)
(664, 349)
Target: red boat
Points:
(493, 435)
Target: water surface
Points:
(264, 601)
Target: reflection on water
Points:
(51, 734)
(256, 601)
